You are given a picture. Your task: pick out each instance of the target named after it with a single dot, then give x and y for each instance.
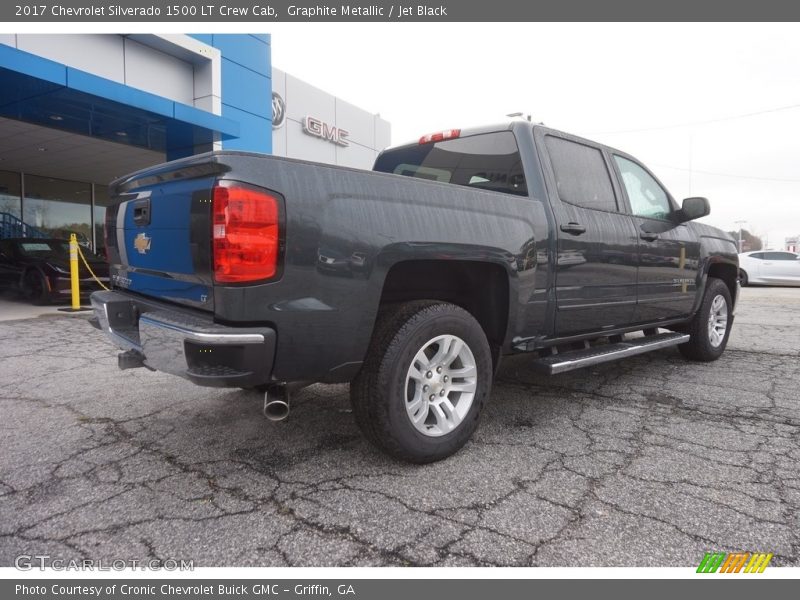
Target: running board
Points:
(576, 359)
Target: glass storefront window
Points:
(9, 193)
(58, 207)
(101, 200)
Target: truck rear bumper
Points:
(185, 343)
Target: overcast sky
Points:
(673, 95)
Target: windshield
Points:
(53, 249)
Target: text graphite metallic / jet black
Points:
(243, 270)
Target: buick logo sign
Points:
(278, 110)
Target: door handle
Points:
(141, 212)
(649, 237)
(573, 228)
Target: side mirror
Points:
(694, 208)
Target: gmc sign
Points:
(317, 128)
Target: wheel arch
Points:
(482, 288)
(728, 272)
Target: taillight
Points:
(448, 134)
(244, 234)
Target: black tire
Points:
(379, 392)
(34, 287)
(700, 346)
(743, 278)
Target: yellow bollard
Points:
(73, 272)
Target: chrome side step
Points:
(576, 359)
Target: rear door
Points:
(781, 267)
(597, 249)
(159, 244)
(669, 252)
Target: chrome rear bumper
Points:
(186, 343)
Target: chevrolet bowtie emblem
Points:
(142, 243)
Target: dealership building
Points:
(77, 111)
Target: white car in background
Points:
(770, 267)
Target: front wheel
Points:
(425, 380)
(711, 326)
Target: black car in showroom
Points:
(39, 269)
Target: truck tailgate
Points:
(158, 240)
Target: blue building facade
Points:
(76, 111)
(246, 88)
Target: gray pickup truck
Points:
(411, 281)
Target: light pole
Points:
(740, 223)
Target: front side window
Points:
(582, 178)
(647, 197)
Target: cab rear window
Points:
(488, 161)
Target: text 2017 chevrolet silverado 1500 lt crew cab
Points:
(242, 270)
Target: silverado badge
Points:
(142, 243)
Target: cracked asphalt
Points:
(647, 462)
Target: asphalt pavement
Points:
(651, 461)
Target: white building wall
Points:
(176, 67)
(99, 54)
(368, 133)
(158, 73)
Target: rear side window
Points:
(780, 256)
(758, 255)
(582, 177)
(489, 161)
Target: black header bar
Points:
(271, 11)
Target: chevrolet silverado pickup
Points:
(410, 281)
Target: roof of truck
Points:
(464, 132)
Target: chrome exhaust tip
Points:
(275, 409)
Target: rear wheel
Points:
(743, 278)
(34, 287)
(711, 326)
(425, 380)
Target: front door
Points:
(669, 253)
(597, 255)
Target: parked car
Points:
(64, 234)
(769, 267)
(462, 246)
(40, 270)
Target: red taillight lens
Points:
(448, 134)
(244, 234)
